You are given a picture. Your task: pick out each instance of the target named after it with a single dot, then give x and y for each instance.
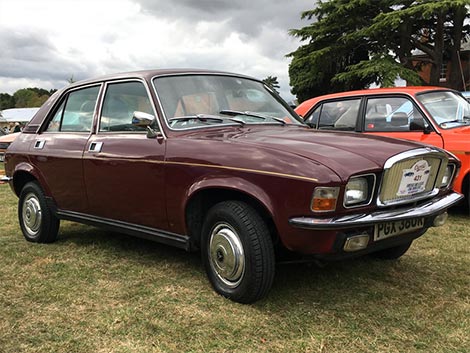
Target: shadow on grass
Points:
(124, 246)
(338, 284)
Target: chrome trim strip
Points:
(417, 152)
(161, 236)
(428, 209)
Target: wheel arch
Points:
(202, 199)
(466, 189)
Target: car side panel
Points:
(60, 162)
(124, 180)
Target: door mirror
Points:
(420, 125)
(142, 119)
(146, 120)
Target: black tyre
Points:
(237, 252)
(392, 253)
(37, 222)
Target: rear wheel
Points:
(37, 221)
(237, 252)
(392, 253)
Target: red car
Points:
(218, 163)
(432, 115)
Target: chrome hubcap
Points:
(227, 258)
(32, 214)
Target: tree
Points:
(6, 101)
(272, 82)
(30, 97)
(355, 43)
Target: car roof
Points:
(149, 74)
(410, 90)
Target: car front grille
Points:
(412, 176)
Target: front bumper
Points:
(430, 208)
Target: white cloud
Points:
(46, 42)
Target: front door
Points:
(123, 167)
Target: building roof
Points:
(20, 115)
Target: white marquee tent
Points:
(20, 115)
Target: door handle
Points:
(39, 144)
(95, 147)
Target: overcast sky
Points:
(45, 42)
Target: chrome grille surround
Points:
(394, 169)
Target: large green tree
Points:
(30, 97)
(352, 44)
(272, 82)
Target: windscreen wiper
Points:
(465, 120)
(251, 114)
(204, 118)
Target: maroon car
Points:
(217, 162)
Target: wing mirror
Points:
(146, 120)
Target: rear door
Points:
(58, 149)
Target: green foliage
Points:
(6, 101)
(272, 82)
(379, 70)
(25, 98)
(354, 43)
(30, 97)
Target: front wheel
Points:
(237, 252)
(392, 253)
(37, 221)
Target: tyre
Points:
(237, 252)
(392, 253)
(37, 221)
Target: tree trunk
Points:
(455, 75)
(438, 51)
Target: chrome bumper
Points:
(429, 209)
(5, 179)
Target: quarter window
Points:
(120, 102)
(75, 114)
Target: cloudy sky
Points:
(45, 42)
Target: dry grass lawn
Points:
(95, 291)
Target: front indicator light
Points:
(356, 242)
(324, 199)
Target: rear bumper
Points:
(6, 179)
(431, 208)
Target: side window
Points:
(75, 114)
(120, 102)
(340, 115)
(393, 114)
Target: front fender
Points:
(235, 184)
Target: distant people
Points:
(17, 127)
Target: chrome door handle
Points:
(95, 147)
(39, 144)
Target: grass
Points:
(95, 291)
